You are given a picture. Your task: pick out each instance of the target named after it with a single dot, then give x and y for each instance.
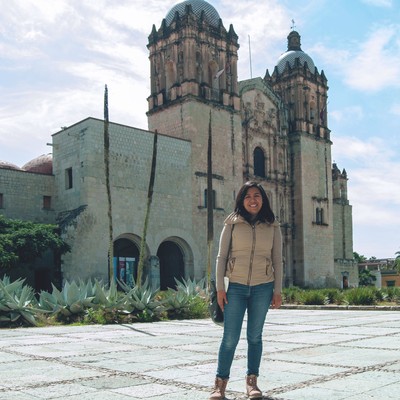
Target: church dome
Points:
(41, 165)
(210, 13)
(294, 52)
(8, 165)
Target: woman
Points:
(250, 255)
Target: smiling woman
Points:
(250, 256)
(253, 201)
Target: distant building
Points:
(273, 130)
(383, 270)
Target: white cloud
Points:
(372, 165)
(371, 65)
(376, 66)
(372, 176)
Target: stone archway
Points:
(126, 258)
(172, 264)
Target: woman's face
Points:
(253, 201)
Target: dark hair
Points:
(265, 215)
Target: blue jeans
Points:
(256, 299)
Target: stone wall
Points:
(313, 243)
(130, 164)
(23, 193)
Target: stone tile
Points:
(308, 354)
(16, 395)
(149, 390)
(59, 391)
(314, 393)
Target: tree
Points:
(24, 241)
(148, 206)
(108, 184)
(366, 278)
(359, 258)
(396, 264)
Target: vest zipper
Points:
(253, 227)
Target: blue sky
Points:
(57, 55)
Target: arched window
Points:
(319, 217)
(259, 162)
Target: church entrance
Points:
(126, 258)
(171, 264)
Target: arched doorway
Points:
(126, 257)
(171, 264)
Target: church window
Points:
(213, 198)
(170, 74)
(280, 163)
(68, 178)
(47, 202)
(259, 162)
(319, 216)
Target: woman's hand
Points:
(276, 300)
(221, 298)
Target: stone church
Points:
(273, 130)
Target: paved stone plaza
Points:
(309, 354)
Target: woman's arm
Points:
(277, 259)
(223, 252)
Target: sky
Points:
(57, 55)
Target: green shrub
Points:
(335, 296)
(393, 294)
(380, 295)
(291, 295)
(314, 297)
(142, 303)
(361, 296)
(70, 303)
(17, 303)
(189, 300)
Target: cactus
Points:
(73, 299)
(17, 301)
(141, 300)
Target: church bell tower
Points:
(192, 55)
(194, 93)
(304, 91)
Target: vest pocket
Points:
(268, 267)
(230, 265)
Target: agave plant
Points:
(73, 299)
(17, 301)
(191, 287)
(179, 302)
(108, 298)
(142, 300)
